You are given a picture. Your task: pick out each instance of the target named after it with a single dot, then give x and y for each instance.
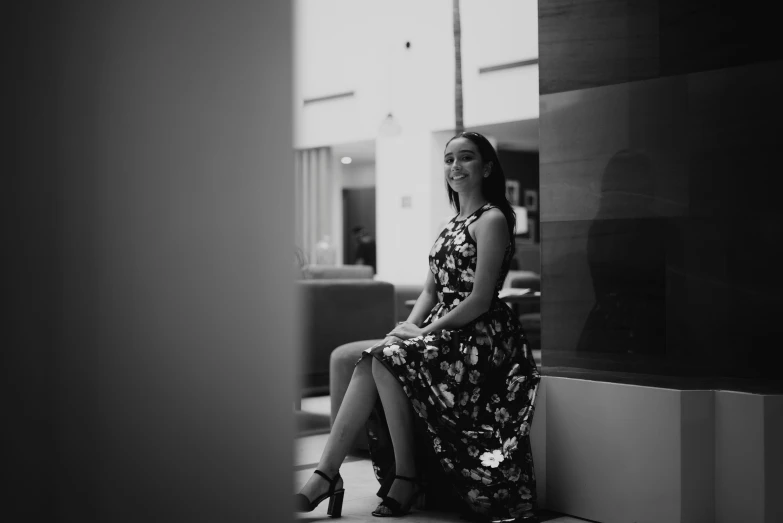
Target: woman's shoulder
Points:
(492, 217)
(492, 222)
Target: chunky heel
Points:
(302, 504)
(336, 504)
(395, 508)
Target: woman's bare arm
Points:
(425, 302)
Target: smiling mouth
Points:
(458, 177)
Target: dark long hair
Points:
(493, 187)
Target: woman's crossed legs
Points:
(369, 381)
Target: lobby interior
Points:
(168, 158)
(655, 281)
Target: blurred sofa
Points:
(335, 272)
(335, 312)
(403, 293)
(523, 279)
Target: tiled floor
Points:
(360, 483)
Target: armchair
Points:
(335, 312)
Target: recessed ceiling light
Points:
(346, 160)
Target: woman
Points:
(456, 381)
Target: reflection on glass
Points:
(627, 260)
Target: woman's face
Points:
(463, 166)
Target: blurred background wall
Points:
(358, 62)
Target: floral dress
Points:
(472, 390)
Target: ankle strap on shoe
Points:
(332, 481)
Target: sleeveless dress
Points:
(472, 390)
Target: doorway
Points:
(358, 210)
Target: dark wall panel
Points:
(659, 222)
(590, 44)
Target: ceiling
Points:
(360, 152)
(520, 135)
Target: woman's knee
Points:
(364, 365)
(379, 371)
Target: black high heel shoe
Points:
(396, 509)
(335, 509)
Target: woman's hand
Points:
(406, 330)
(387, 340)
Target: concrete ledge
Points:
(748, 457)
(619, 453)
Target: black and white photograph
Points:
(498, 261)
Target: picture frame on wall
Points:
(530, 236)
(512, 192)
(531, 200)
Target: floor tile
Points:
(308, 449)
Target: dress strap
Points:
(477, 213)
(471, 215)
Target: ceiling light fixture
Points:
(346, 160)
(389, 127)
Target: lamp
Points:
(389, 127)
